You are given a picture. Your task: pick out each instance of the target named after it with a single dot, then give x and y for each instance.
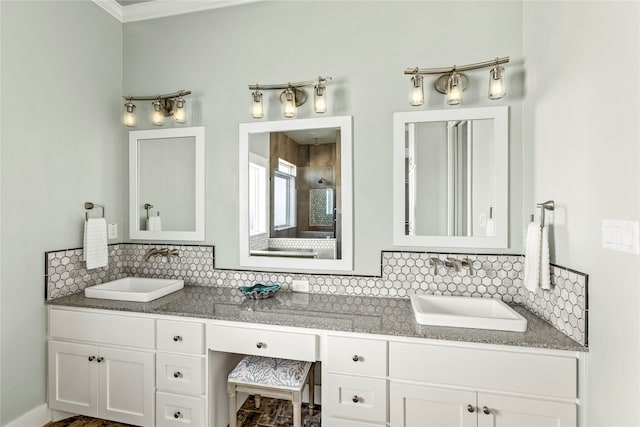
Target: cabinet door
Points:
(507, 411)
(126, 381)
(73, 378)
(422, 406)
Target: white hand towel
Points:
(536, 262)
(545, 269)
(95, 252)
(532, 257)
(154, 223)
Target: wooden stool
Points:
(271, 377)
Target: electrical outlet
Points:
(300, 286)
(112, 231)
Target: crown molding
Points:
(163, 8)
(114, 8)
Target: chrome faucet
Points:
(452, 262)
(434, 262)
(468, 263)
(165, 252)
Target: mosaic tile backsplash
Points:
(402, 274)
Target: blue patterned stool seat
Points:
(271, 377)
(271, 372)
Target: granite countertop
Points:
(371, 315)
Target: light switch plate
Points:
(300, 286)
(112, 231)
(623, 236)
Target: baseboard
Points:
(38, 416)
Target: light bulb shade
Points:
(454, 89)
(416, 97)
(180, 112)
(496, 83)
(290, 109)
(157, 117)
(129, 118)
(320, 100)
(257, 110)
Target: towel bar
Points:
(90, 205)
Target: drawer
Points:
(337, 422)
(356, 356)
(540, 374)
(181, 337)
(180, 374)
(102, 328)
(173, 410)
(358, 398)
(261, 342)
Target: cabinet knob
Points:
(100, 359)
(471, 408)
(177, 338)
(486, 410)
(92, 358)
(177, 374)
(355, 358)
(177, 414)
(260, 345)
(356, 399)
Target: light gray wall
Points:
(62, 145)
(581, 133)
(364, 46)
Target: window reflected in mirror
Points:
(294, 193)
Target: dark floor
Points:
(272, 413)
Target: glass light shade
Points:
(157, 117)
(290, 108)
(417, 91)
(257, 110)
(129, 119)
(320, 100)
(496, 83)
(180, 113)
(454, 90)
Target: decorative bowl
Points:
(259, 291)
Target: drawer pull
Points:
(356, 358)
(92, 358)
(486, 410)
(177, 414)
(471, 408)
(260, 344)
(177, 374)
(356, 399)
(177, 338)
(100, 359)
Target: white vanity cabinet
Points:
(181, 374)
(442, 385)
(354, 383)
(90, 373)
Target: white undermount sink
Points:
(466, 312)
(138, 289)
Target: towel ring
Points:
(90, 205)
(549, 205)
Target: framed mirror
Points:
(166, 184)
(296, 194)
(450, 178)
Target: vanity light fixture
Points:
(171, 104)
(291, 97)
(452, 81)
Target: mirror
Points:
(296, 194)
(166, 184)
(451, 178)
